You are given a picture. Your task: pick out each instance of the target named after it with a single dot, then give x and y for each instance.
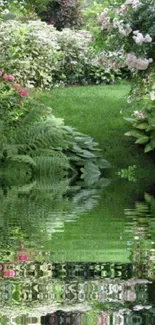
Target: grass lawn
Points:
(95, 110)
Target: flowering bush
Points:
(28, 53)
(40, 56)
(11, 93)
(132, 28)
(76, 55)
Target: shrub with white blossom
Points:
(41, 56)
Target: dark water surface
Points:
(73, 255)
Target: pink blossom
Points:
(9, 273)
(9, 77)
(16, 85)
(23, 92)
(23, 257)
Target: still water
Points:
(74, 255)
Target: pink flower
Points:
(16, 85)
(9, 273)
(23, 92)
(23, 257)
(9, 77)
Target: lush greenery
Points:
(33, 136)
(100, 107)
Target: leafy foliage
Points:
(37, 139)
(62, 13)
(143, 123)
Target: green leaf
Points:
(129, 119)
(103, 163)
(148, 197)
(134, 133)
(148, 148)
(152, 122)
(142, 126)
(91, 173)
(142, 140)
(23, 159)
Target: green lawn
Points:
(95, 110)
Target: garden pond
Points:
(72, 254)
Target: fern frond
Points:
(25, 159)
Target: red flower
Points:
(9, 77)
(23, 92)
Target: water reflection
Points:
(49, 231)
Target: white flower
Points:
(140, 114)
(125, 30)
(131, 60)
(147, 38)
(142, 64)
(152, 95)
(106, 10)
(139, 38)
(5, 12)
(133, 3)
(137, 63)
(73, 62)
(135, 32)
(129, 100)
(116, 23)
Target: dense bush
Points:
(35, 52)
(61, 13)
(40, 56)
(28, 53)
